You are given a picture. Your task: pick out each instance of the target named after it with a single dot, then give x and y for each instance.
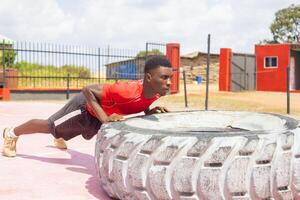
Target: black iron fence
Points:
(40, 65)
(153, 48)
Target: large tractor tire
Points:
(200, 155)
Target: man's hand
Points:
(157, 109)
(114, 117)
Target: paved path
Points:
(41, 171)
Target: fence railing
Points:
(41, 65)
(155, 48)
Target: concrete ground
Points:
(40, 171)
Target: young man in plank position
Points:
(98, 104)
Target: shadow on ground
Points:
(80, 163)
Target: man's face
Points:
(160, 79)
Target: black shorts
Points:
(74, 119)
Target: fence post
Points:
(99, 65)
(247, 82)
(173, 54)
(146, 53)
(207, 72)
(68, 86)
(3, 63)
(225, 69)
(288, 90)
(184, 86)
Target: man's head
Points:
(158, 74)
(155, 62)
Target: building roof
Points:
(196, 54)
(295, 46)
(129, 60)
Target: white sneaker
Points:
(9, 144)
(60, 143)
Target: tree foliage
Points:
(149, 53)
(286, 26)
(33, 69)
(7, 55)
(80, 71)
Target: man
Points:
(98, 104)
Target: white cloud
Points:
(34, 20)
(131, 23)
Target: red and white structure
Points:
(270, 70)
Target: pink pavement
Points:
(40, 171)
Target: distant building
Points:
(271, 65)
(198, 59)
(126, 69)
(266, 70)
(195, 64)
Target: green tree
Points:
(149, 53)
(7, 55)
(286, 26)
(32, 69)
(80, 71)
(266, 41)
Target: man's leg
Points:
(45, 126)
(32, 126)
(10, 135)
(38, 126)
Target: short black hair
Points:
(156, 61)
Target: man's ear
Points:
(148, 76)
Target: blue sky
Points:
(131, 23)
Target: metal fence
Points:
(153, 48)
(41, 65)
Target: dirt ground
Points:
(274, 102)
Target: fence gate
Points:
(243, 72)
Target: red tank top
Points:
(123, 98)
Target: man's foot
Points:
(60, 143)
(9, 144)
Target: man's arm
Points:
(93, 94)
(157, 109)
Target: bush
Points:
(152, 52)
(79, 71)
(9, 57)
(32, 69)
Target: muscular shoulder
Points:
(125, 89)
